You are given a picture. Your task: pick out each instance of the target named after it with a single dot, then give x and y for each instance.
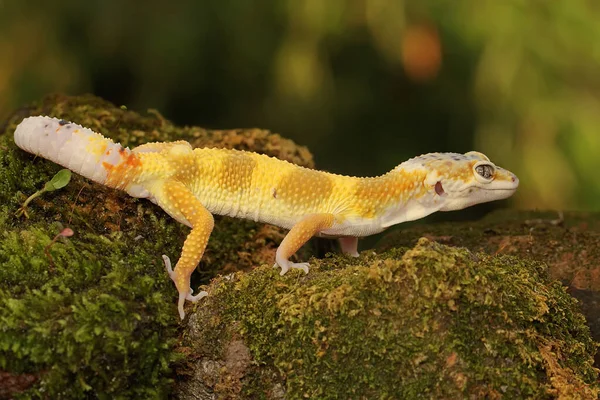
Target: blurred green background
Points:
(365, 84)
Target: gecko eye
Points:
(485, 172)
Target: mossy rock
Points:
(95, 314)
(567, 242)
(430, 322)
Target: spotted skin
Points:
(192, 185)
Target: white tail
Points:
(74, 147)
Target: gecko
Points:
(193, 184)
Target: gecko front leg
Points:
(179, 202)
(297, 237)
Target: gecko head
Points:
(457, 181)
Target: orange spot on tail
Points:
(116, 173)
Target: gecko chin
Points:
(467, 198)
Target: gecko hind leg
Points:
(300, 233)
(180, 203)
(349, 245)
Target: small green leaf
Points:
(58, 181)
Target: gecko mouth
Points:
(507, 188)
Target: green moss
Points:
(97, 314)
(432, 321)
(569, 246)
(99, 320)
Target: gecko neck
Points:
(410, 197)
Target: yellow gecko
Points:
(193, 184)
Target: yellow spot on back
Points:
(304, 190)
(374, 195)
(235, 172)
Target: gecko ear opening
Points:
(439, 189)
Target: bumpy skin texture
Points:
(192, 184)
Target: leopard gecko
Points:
(193, 184)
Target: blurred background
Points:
(365, 84)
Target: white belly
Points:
(355, 227)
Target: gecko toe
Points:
(302, 266)
(197, 297)
(168, 266)
(284, 268)
(180, 303)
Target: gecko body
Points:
(193, 184)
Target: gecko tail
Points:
(79, 149)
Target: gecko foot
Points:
(285, 266)
(183, 295)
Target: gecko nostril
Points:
(514, 178)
